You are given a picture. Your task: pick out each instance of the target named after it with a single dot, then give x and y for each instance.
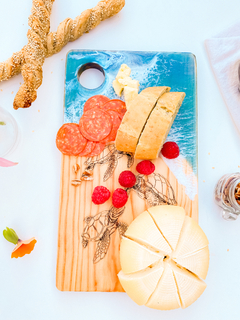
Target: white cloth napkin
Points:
(224, 56)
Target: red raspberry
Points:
(100, 195)
(119, 198)
(170, 150)
(127, 179)
(145, 167)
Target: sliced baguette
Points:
(158, 125)
(136, 116)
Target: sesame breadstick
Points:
(11, 66)
(70, 30)
(34, 53)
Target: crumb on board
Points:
(227, 250)
(203, 180)
(209, 153)
(12, 92)
(213, 167)
(38, 110)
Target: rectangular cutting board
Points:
(89, 235)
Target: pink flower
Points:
(7, 163)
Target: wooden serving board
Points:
(89, 235)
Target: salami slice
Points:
(95, 124)
(88, 149)
(99, 147)
(95, 101)
(115, 105)
(69, 139)
(116, 121)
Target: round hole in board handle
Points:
(91, 75)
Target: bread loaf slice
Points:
(136, 116)
(158, 125)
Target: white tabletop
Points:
(30, 190)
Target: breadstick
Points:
(42, 44)
(70, 30)
(34, 53)
(12, 66)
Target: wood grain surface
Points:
(75, 268)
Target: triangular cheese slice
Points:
(197, 262)
(169, 220)
(134, 257)
(139, 286)
(143, 229)
(165, 296)
(189, 286)
(192, 239)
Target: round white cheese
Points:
(164, 256)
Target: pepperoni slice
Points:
(99, 147)
(116, 121)
(95, 124)
(95, 101)
(115, 105)
(69, 139)
(88, 149)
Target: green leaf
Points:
(10, 235)
(2, 123)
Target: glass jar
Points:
(226, 195)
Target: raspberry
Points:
(170, 150)
(100, 195)
(119, 198)
(145, 167)
(127, 179)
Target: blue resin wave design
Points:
(176, 70)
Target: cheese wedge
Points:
(123, 72)
(136, 116)
(135, 257)
(158, 125)
(129, 82)
(129, 94)
(165, 296)
(139, 286)
(189, 286)
(197, 262)
(192, 239)
(118, 88)
(144, 231)
(124, 82)
(169, 220)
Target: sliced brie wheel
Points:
(163, 256)
(197, 262)
(169, 220)
(144, 230)
(165, 296)
(134, 257)
(140, 285)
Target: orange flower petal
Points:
(23, 247)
